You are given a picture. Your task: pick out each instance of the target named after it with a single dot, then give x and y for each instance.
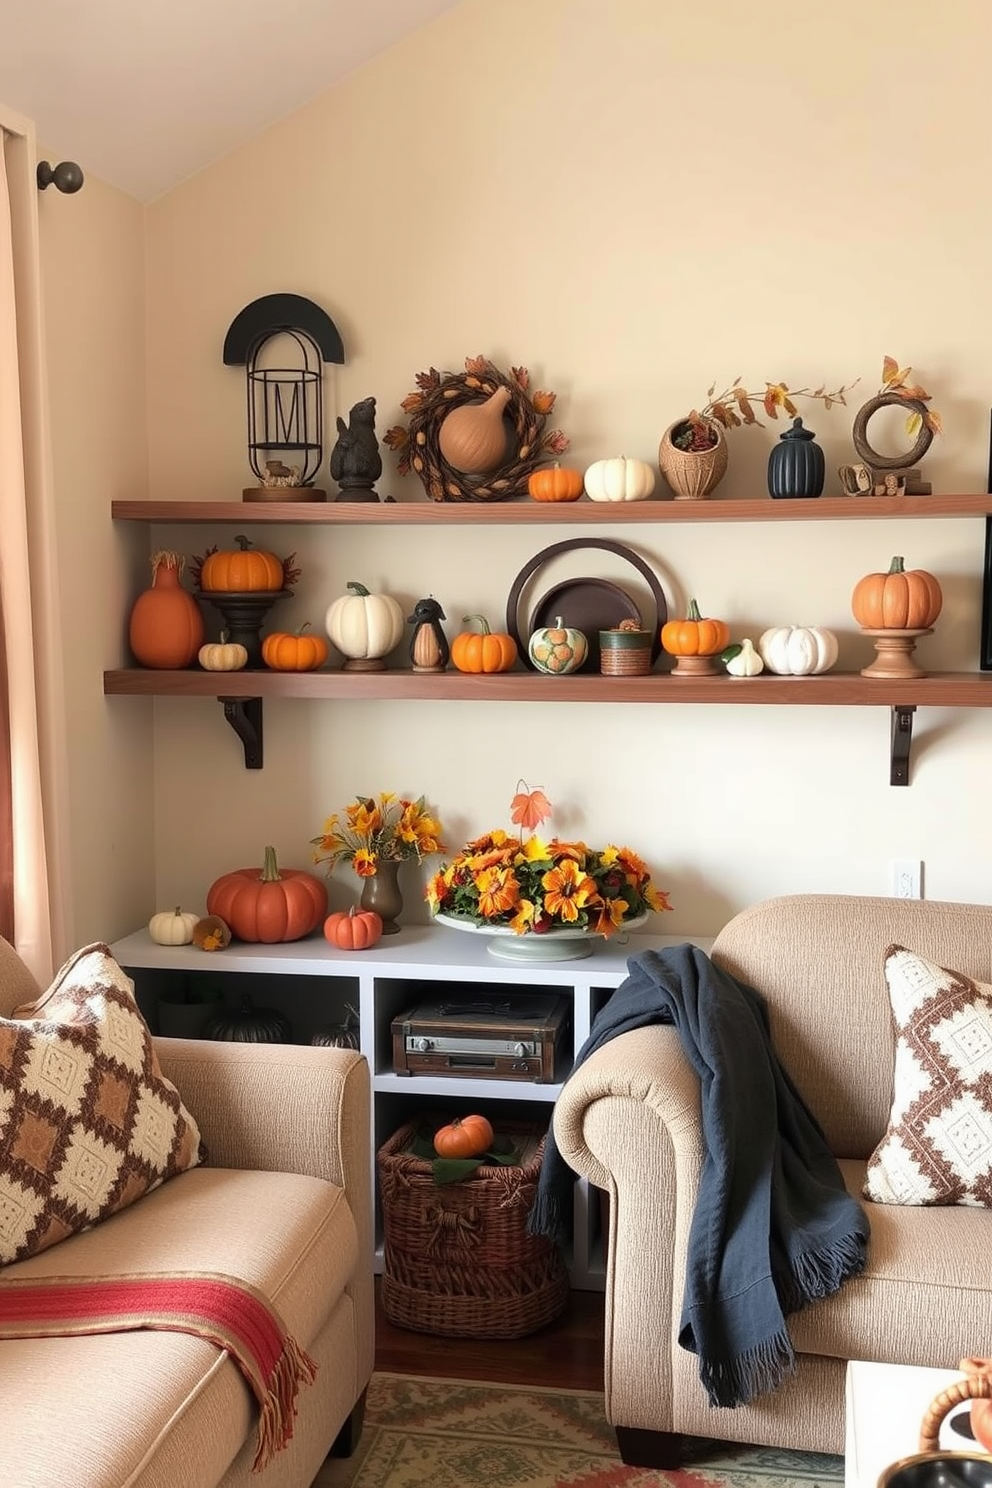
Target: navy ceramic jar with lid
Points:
(796, 464)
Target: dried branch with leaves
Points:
(895, 379)
(732, 408)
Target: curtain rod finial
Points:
(67, 176)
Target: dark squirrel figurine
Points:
(355, 459)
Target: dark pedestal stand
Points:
(243, 614)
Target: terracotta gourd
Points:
(294, 651)
(364, 626)
(472, 438)
(172, 927)
(270, 904)
(165, 629)
(555, 483)
(243, 570)
(798, 650)
(902, 599)
(484, 650)
(466, 1136)
(558, 649)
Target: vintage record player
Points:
(519, 1036)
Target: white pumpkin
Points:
(798, 650)
(223, 655)
(364, 626)
(746, 661)
(619, 479)
(171, 927)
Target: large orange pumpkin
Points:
(166, 628)
(269, 904)
(483, 650)
(466, 1136)
(898, 600)
(695, 635)
(243, 570)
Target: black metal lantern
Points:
(282, 341)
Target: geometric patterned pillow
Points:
(938, 1146)
(88, 1122)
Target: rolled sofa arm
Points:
(628, 1120)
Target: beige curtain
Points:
(27, 591)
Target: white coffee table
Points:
(885, 1406)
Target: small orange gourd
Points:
(243, 570)
(695, 635)
(902, 599)
(294, 651)
(554, 483)
(483, 650)
(466, 1136)
(354, 930)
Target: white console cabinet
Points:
(311, 981)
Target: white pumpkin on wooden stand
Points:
(364, 627)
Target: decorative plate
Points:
(566, 944)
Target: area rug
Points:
(463, 1434)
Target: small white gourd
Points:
(798, 650)
(172, 927)
(364, 626)
(619, 479)
(223, 655)
(746, 662)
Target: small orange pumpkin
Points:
(245, 569)
(898, 600)
(269, 905)
(484, 650)
(554, 483)
(286, 651)
(354, 930)
(466, 1136)
(695, 635)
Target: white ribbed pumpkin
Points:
(798, 650)
(619, 479)
(172, 927)
(363, 625)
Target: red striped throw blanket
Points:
(227, 1312)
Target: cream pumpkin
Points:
(172, 927)
(364, 626)
(798, 650)
(619, 479)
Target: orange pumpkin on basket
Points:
(269, 904)
(466, 1136)
(483, 650)
(902, 599)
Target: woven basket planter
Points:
(692, 474)
(625, 652)
(458, 1260)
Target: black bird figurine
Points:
(429, 649)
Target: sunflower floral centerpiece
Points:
(541, 899)
(375, 834)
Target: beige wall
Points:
(92, 247)
(633, 200)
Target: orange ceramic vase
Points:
(166, 627)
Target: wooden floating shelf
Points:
(832, 689)
(529, 513)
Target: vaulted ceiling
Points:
(143, 93)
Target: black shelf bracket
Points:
(901, 740)
(245, 717)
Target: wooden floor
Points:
(567, 1354)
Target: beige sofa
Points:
(628, 1119)
(284, 1202)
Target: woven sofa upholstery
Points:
(629, 1120)
(283, 1202)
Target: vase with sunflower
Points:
(542, 899)
(375, 834)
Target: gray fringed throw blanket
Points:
(774, 1228)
